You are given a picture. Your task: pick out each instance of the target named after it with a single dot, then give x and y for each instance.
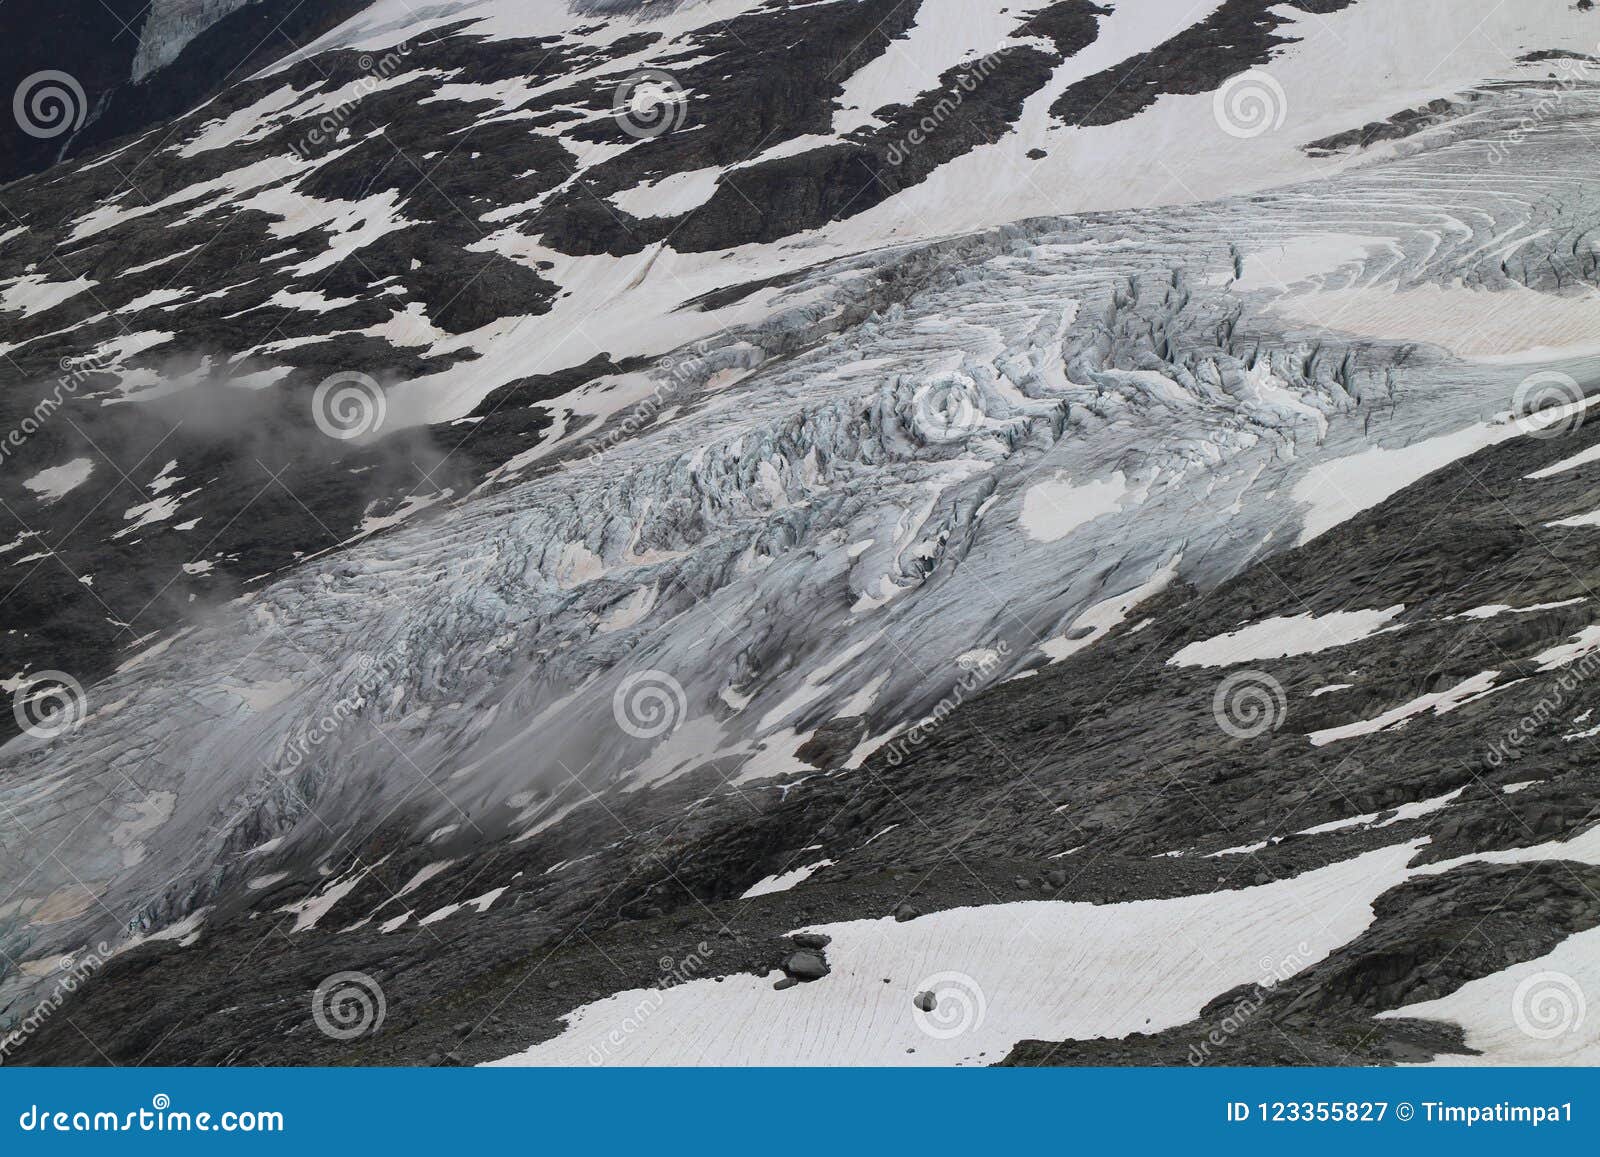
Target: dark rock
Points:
(806, 965)
(833, 742)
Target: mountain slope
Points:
(517, 519)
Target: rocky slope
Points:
(778, 606)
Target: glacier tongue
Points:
(170, 25)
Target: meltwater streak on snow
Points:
(1038, 969)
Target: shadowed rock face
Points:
(733, 552)
(139, 64)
